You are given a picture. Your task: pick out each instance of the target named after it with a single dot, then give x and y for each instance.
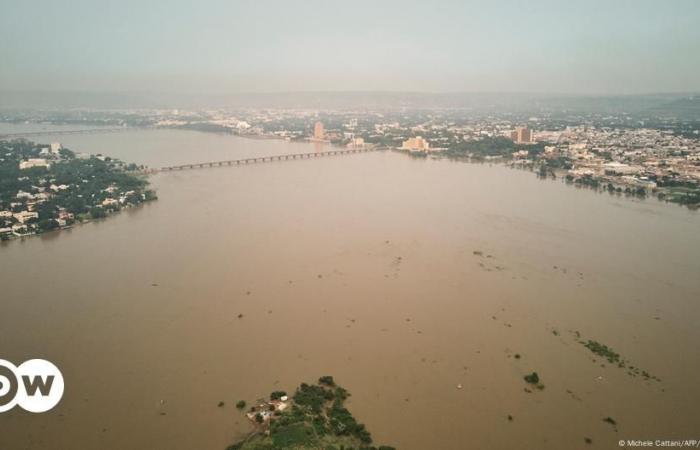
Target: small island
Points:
(313, 418)
(48, 187)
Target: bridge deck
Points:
(263, 159)
(64, 132)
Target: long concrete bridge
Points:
(62, 132)
(265, 159)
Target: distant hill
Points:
(676, 105)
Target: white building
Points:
(615, 167)
(19, 229)
(24, 195)
(356, 143)
(24, 216)
(60, 187)
(33, 162)
(416, 144)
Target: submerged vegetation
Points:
(604, 351)
(613, 357)
(314, 418)
(534, 379)
(611, 421)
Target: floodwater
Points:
(362, 267)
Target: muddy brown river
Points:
(403, 278)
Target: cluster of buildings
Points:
(611, 148)
(21, 216)
(413, 132)
(24, 222)
(263, 412)
(640, 157)
(34, 201)
(415, 144)
(627, 157)
(53, 152)
(523, 135)
(607, 148)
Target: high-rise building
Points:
(522, 135)
(319, 133)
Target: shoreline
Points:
(77, 223)
(599, 185)
(498, 160)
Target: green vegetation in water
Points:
(533, 378)
(240, 404)
(604, 351)
(276, 395)
(611, 421)
(613, 357)
(327, 380)
(315, 418)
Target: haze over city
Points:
(596, 47)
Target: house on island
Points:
(266, 409)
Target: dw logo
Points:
(35, 385)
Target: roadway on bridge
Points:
(265, 159)
(64, 132)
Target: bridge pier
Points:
(264, 159)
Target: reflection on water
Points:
(403, 278)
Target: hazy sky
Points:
(264, 46)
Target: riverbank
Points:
(49, 188)
(680, 195)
